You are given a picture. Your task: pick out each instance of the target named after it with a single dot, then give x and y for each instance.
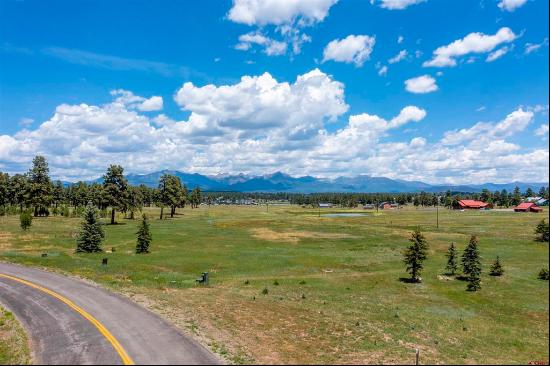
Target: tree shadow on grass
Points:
(408, 280)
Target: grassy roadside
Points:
(333, 289)
(14, 346)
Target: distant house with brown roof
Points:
(527, 207)
(472, 205)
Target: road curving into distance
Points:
(71, 322)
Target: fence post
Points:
(417, 356)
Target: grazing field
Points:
(288, 286)
(14, 349)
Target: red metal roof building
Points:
(527, 207)
(473, 205)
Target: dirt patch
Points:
(295, 236)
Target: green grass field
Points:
(339, 297)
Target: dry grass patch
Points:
(14, 347)
(295, 236)
(5, 240)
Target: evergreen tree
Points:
(516, 196)
(143, 237)
(195, 197)
(57, 192)
(452, 265)
(496, 268)
(529, 192)
(91, 233)
(40, 187)
(115, 189)
(471, 265)
(543, 274)
(542, 231)
(415, 255)
(4, 189)
(25, 219)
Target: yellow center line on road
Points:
(126, 359)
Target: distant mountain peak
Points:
(283, 182)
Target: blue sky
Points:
(81, 81)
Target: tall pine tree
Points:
(144, 237)
(91, 233)
(471, 265)
(415, 255)
(115, 189)
(40, 187)
(452, 264)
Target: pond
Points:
(345, 214)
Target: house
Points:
(527, 207)
(368, 206)
(473, 205)
(385, 206)
(325, 205)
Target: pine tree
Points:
(115, 189)
(496, 268)
(143, 237)
(542, 231)
(91, 234)
(40, 187)
(415, 255)
(471, 265)
(452, 266)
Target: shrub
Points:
(543, 274)
(542, 231)
(265, 291)
(25, 219)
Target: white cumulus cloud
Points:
(472, 43)
(398, 4)
(354, 49)
(511, 5)
(421, 84)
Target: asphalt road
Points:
(72, 322)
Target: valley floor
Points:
(288, 286)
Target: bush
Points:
(543, 274)
(542, 231)
(265, 291)
(26, 220)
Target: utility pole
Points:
(437, 211)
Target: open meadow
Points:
(290, 286)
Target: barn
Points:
(473, 205)
(527, 207)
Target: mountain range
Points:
(281, 182)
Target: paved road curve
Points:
(73, 322)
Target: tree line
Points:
(35, 191)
